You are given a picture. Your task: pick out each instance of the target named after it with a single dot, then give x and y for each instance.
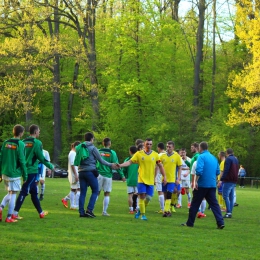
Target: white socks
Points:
(77, 199)
(180, 199)
(161, 201)
(203, 206)
(11, 204)
(6, 200)
(72, 199)
(105, 203)
(42, 188)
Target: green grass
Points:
(63, 235)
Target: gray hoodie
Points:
(90, 163)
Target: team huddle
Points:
(171, 171)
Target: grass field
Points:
(63, 235)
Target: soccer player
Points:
(147, 159)
(12, 168)
(185, 178)
(170, 161)
(194, 148)
(131, 173)
(43, 175)
(158, 180)
(105, 173)
(222, 157)
(34, 154)
(73, 178)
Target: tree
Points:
(244, 89)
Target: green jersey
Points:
(34, 155)
(111, 157)
(131, 173)
(12, 159)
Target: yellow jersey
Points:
(221, 167)
(147, 163)
(170, 163)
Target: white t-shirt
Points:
(47, 157)
(193, 170)
(183, 172)
(71, 158)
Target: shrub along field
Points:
(63, 235)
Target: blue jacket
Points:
(208, 170)
(231, 168)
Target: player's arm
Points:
(22, 161)
(125, 164)
(115, 160)
(196, 182)
(226, 168)
(101, 160)
(179, 174)
(40, 156)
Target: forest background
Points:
(128, 69)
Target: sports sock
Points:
(130, 208)
(135, 197)
(5, 200)
(72, 199)
(203, 206)
(235, 196)
(167, 205)
(180, 199)
(77, 199)
(142, 206)
(147, 200)
(219, 200)
(42, 188)
(137, 204)
(105, 203)
(161, 201)
(174, 198)
(67, 197)
(11, 204)
(223, 202)
(189, 197)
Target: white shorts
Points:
(104, 183)
(158, 186)
(131, 189)
(12, 184)
(75, 185)
(42, 177)
(158, 182)
(185, 183)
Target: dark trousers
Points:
(29, 187)
(87, 179)
(242, 179)
(210, 195)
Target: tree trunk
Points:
(92, 60)
(198, 61)
(56, 90)
(70, 103)
(214, 60)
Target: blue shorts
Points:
(144, 188)
(170, 186)
(178, 187)
(220, 188)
